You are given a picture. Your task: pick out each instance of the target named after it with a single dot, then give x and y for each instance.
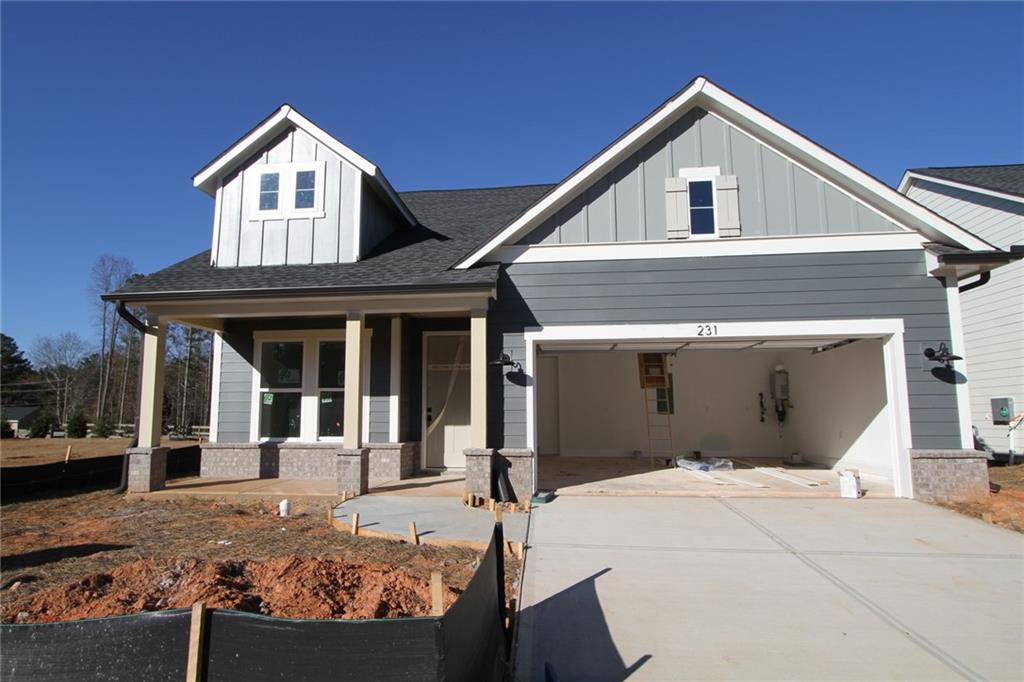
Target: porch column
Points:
(147, 463)
(151, 400)
(354, 324)
(478, 379)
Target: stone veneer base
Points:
(949, 475)
(147, 469)
(303, 461)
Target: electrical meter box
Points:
(1002, 410)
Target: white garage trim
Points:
(893, 357)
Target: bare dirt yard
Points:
(20, 452)
(1005, 508)
(97, 554)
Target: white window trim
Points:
(705, 174)
(285, 190)
(310, 382)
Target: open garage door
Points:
(825, 402)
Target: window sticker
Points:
(268, 398)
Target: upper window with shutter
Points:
(702, 204)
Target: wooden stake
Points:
(517, 548)
(436, 594)
(497, 514)
(194, 669)
(413, 537)
(330, 513)
(490, 503)
(67, 455)
(355, 523)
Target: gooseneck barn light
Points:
(505, 360)
(942, 355)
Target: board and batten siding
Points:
(234, 408)
(992, 315)
(776, 196)
(330, 239)
(737, 288)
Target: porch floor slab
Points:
(437, 518)
(627, 476)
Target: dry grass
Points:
(15, 452)
(62, 540)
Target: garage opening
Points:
(786, 415)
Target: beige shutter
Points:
(677, 209)
(727, 204)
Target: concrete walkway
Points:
(696, 588)
(437, 518)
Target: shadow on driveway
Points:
(576, 644)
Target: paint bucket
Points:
(849, 484)
(284, 508)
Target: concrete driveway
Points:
(696, 588)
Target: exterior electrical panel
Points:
(1002, 410)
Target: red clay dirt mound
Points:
(288, 587)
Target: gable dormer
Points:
(287, 193)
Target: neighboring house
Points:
(362, 332)
(20, 418)
(989, 202)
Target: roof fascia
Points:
(910, 176)
(206, 179)
(703, 92)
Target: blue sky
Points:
(108, 109)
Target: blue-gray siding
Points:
(736, 288)
(776, 196)
(235, 401)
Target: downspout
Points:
(982, 280)
(127, 316)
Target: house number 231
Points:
(707, 330)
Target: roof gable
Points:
(1004, 182)
(209, 176)
(704, 94)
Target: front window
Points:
(331, 390)
(281, 389)
(702, 207)
(269, 184)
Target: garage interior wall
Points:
(839, 415)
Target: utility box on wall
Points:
(1002, 410)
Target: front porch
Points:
(307, 401)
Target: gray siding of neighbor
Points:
(735, 288)
(776, 197)
(330, 239)
(235, 402)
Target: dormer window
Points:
(269, 184)
(701, 203)
(702, 207)
(283, 191)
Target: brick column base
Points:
(949, 475)
(519, 462)
(147, 469)
(353, 472)
(479, 464)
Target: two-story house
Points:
(773, 298)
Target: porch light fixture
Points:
(942, 355)
(505, 360)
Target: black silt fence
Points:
(89, 473)
(469, 643)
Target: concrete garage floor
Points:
(652, 588)
(631, 477)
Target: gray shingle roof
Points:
(452, 222)
(1008, 179)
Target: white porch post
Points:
(354, 325)
(478, 379)
(151, 400)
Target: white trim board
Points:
(702, 92)
(963, 391)
(218, 348)
(675, 248)
(395, 380)
(909, 177)
(891, 329)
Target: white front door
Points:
(446, 399)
